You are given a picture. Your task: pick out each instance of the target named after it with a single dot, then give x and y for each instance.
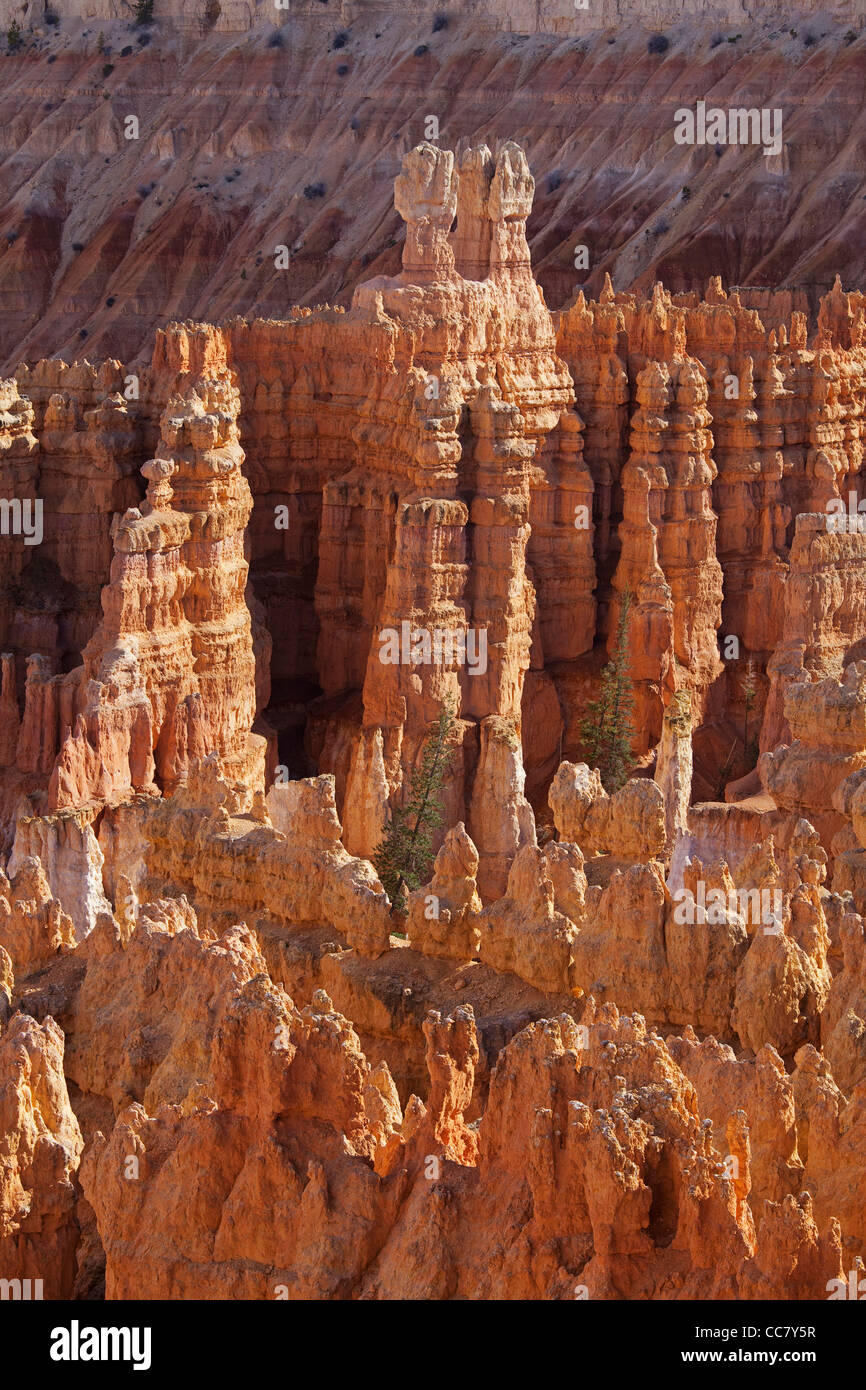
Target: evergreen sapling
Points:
(404, 855)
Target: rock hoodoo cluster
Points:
(616, 1047)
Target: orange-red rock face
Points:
(446, 459)
(41, 1146)
(194, 1071)
(615, 1054)
(217, 1058)
(169, 672)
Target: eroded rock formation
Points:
(615, 1047)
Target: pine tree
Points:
(606, 729)
(750, 695)
(403, 857)
(13, 36)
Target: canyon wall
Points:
(108, 231)
(452, 489)
(615, 1046)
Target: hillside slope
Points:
(252, 141)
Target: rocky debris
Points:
(114, 239)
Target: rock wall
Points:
(452, 488)
(169, 673)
